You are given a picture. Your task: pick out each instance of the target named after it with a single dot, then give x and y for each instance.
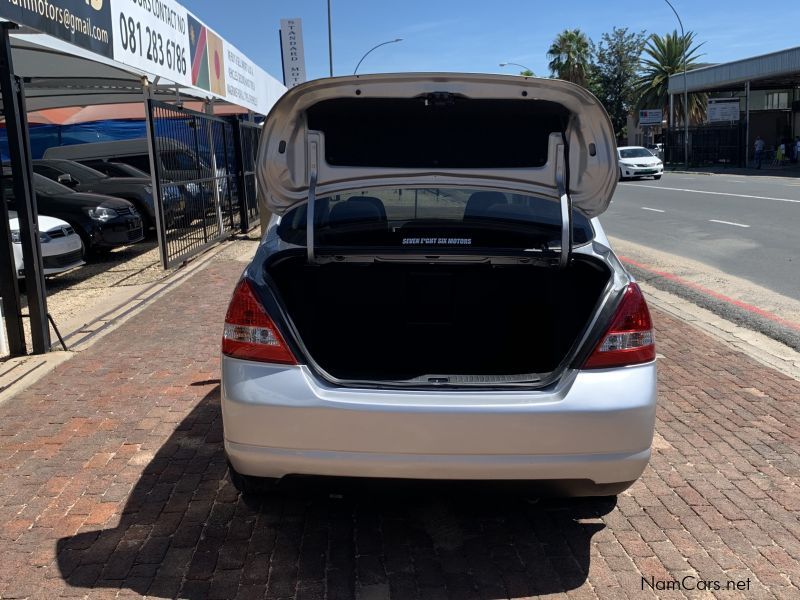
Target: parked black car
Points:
(137, 190)
(189, 192)
(101, 221)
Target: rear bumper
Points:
(278, 462)
(596, 426)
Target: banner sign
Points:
(84, 23)
(159, 37)
(650, 116)
(723, 110)
(294, 60)
(151, 35)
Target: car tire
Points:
(86, 246)
(621, 176)
(656, 177)
(249, 485)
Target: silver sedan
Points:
(434, 296)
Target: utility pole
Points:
(330, 42)
(684, 41)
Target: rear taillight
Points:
(629, 338)
(249, 332)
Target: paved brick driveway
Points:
(113, 482)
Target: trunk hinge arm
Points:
(313, 146)
(566, 205)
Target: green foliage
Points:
(628, 70)
(664, 57)
(615, 73)
(570, 56)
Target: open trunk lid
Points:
(533, 136)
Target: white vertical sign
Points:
(294, 60)
(723, 109)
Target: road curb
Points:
(690, 172)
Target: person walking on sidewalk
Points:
(759, 147)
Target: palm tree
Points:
(570, 56)
(664, 57)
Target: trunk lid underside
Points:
(532, 136)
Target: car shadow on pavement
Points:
(185, 532)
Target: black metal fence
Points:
(201, 164)
(708, 145)
(247, 136)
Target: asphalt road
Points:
(745, 226)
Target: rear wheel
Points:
(249, 485)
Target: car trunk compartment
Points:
(439, 323)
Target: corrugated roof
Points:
(774, 69)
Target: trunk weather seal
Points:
(562, 184)
(310, 210)
(313, 151)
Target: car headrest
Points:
(351, 211)
(480, 202)
(371, 200)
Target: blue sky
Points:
(465, 35)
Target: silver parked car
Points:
(434, 297)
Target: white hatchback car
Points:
(635, 161)
(62, 248)
(434, 297)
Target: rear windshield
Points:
(635, 153)
(443, 218)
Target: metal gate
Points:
(247, 136)
(708, 145)
(195, 173)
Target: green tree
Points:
(615, 73)
(663, 56)
(570, 56)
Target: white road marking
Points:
(658, 187)
(735, 180)
(653, 209)
(728, 223)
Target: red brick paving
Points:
(113, 484)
